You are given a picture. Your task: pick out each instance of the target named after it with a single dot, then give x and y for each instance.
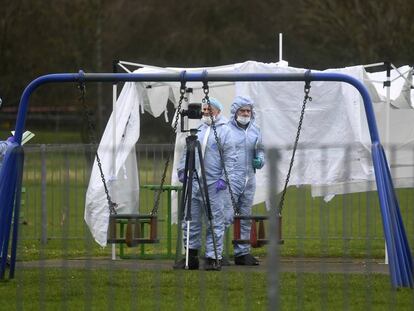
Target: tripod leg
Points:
(206, 202)
(190, 172)
(190, 261)
(183, 201)
(184, 196)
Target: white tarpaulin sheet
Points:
(396, 129)
(335, 118)
(119, 165)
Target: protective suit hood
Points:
(239, 102)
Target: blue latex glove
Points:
(11, 139)
(257, 163)
(220, 185)
(181, 176)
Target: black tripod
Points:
(190, 173)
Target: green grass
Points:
(55, 289)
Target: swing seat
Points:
(135, 229)
(257, 231)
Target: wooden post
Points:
(153, 229)
(253, 234)
(112, 228)
(236, 229)
(279, 231)
(262, 235)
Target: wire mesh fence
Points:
(332, 255)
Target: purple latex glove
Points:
(181, 176)
(11, 139)
(220, 185)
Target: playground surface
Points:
(296, 265)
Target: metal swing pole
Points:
(194, 77)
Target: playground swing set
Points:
(138, 224)
(400, 261)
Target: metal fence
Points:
(56, 178)
(332, 256)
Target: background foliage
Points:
(40, 37)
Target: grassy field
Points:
(52, 289)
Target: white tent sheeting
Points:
(122, 180)
(334, 118)
(396, 127)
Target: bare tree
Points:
(338, 33)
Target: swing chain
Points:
(167, 162)
(92, 136)
(206, 99)
(302, 113)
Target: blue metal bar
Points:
(16, 214)
(7, 195)
(200, 76)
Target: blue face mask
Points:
(243, 120)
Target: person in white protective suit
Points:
(4, 144)
(216, 183)
(250, 157)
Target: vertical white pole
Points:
(280, 46)
(114, 96)
(387, 131)
(387, 111)
(281, 62)
(187, 245)
(188, 95)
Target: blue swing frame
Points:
(400, 259)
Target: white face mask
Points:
(207, 119)
(243, 120)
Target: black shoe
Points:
(193, 263)
(212, 265)
(225, 262)
(246, 260)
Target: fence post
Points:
(43, 238)
(273, 269)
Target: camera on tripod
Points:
(194, 111)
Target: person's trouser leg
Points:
(245, 204)
(228, 209)
(217, 210)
